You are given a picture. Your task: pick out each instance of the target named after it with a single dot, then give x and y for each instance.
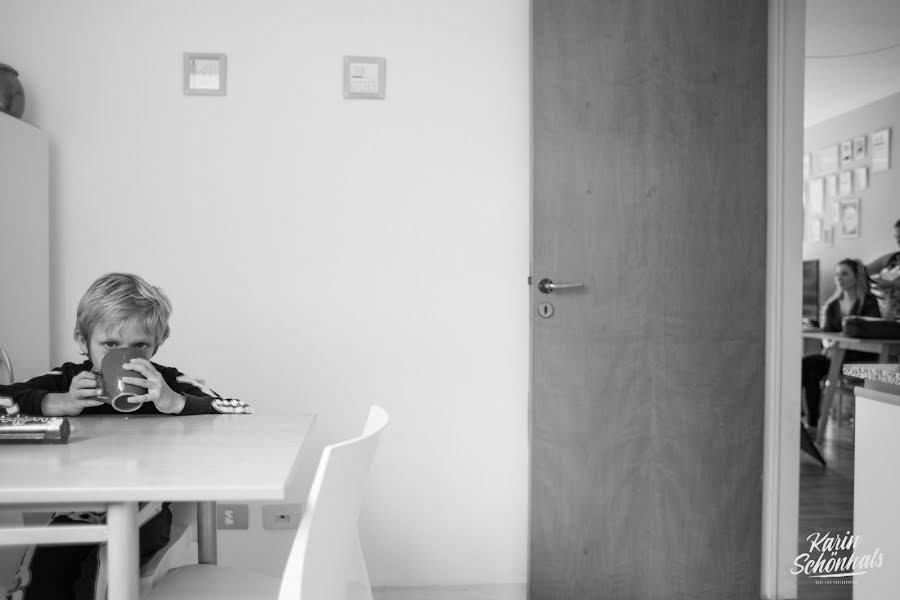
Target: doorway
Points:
(855, 46)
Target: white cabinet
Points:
(24, 266)
(876, 488)
(24, 246)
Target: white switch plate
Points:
(364, 77)
(281, 516)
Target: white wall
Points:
(879, 204)
(837, 27)
(322, 254)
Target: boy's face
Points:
(130, 335)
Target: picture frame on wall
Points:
(859, 148)
(845, 183)
(861, 178)
(831, 185)
(816, 197)
(813, 229)
(849, 218)
(880, 150)
(846, 151)
(826, 160)
(834, 213)
(204, 74)
(364, 77)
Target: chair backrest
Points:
(320, 559)
(6, 371)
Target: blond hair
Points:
(116, 298)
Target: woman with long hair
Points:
(852, 297)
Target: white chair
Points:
(180, 551)
(7, 377)
(325, 562)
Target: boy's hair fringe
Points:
(116, 298)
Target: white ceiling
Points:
(838, 85)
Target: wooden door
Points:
(649, 167)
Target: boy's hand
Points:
(83, 392)
(158, 391)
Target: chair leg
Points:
(845, 413)
(358, 587)
(839, 408)
(804, 408)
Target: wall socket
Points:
(232, 516)
(282, 516)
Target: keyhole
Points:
(545, 309)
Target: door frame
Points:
(781, 461)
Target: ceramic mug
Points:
(115, 391)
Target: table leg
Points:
(206, 533)
(834, 382)
(123, 551)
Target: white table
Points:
(883, 348)
(113, 462)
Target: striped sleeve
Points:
(200, 399)
(28, 396)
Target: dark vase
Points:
(12, 96)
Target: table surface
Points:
(150, 457)
(835, 335)
(882, 373)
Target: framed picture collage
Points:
(834, 180)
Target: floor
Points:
(461, 592)
(826, 505)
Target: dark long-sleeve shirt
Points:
(832, 319)
(27, 397)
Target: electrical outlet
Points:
(232, 516)
(282, 516)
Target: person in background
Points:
(886, 280)
(852, 297)
(119, 310)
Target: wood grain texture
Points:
(647, 386)
(511, 591)
(826, 506)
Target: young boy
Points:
(119, 310)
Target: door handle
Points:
(547, 286)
